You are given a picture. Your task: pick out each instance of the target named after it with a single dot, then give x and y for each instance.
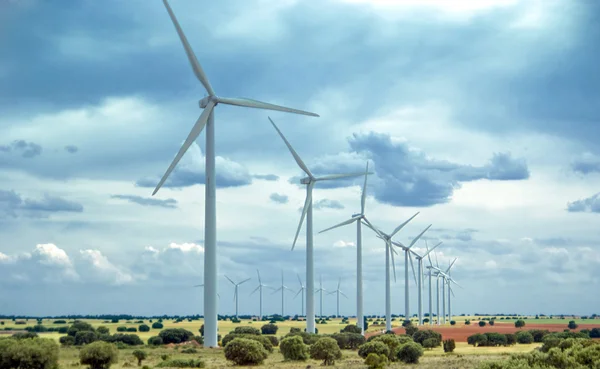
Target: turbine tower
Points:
(308, 213)
(359, 285)
(282, 288)
(407, 251)
(338, 292)
(301, 291)
(320, 292)
(260, 291)
(235, 292)
(208, 103)
(420, 280)
(387, 238)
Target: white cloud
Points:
(342, 244)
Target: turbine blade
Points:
(403, 224)
(249, 103)
(259, 281)
(199, 285)
(436, 260)
(339, 225)
(453, 281)
(275, 291)
(304, 211)
(244, 281)
(232, 282)
(393, 261)
(343, 294)
(430, 250)
(373, 228)
(419, 236)
(338, 176)
(452, 292)
(331, 293)
(454, 261)
(363, 196)
(256, 289)
(194, 133)
(299, 280)
(412, 267)
(428, 254)
(198, 71)
(294, 153)
(297, 293)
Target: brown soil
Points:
(460, 332)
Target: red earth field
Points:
(460, 332)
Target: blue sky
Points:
(481, 115)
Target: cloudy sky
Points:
(481, 115)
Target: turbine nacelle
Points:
(204, 102)
(305, 180)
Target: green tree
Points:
(144, 328)
(34, 353)
(519, 323)
(244, 351)
(482, 323)
(140, 355)
(410, 353)
(572, 325)
(375, 361)
(99, 355)
(269, 328)
(326, 349)
(293, 348)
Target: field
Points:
(465, 356)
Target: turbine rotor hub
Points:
(305, 181)
(204, 102)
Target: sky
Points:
(480, 115)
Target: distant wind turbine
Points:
(282, 288)
(210, 219)
(320, 292)
(301, 292)
(260, 291)
(338, 292)
(236, 296)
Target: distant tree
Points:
(99, 355)
(144, 328)
(158, 325)
(140, 355)
(269, 329)
(519, 323)
(122, 329)
(467, 322)
(482, 323)
(449, 345)
(491, 322)
(453, 322)
(572, 325)
(102, 330)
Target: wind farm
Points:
(409, 183)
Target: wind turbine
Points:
(430, 274)
(387, 238)
(260, 290)
(308, 213)
(202, 285)
(301, 291)
(235, 292)
(282, 288)
(320, 292)
(446, 280)
(359, 285)
(449, 279)
(208, 103)
(420, 279)
(338, 292)
(407, 250)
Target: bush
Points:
(373, 347)
(246, 330)
(181, 363)
(351, 328)
(375, 361)
(99, 355)
(140, 355)
(467, 322)
(35, 353)
(524, 337)
(511, 339)
(67, 340)
(263, 340)
(24, 335)
(326, 349)
(122, 329)
(453, 322)
(595, 333)
(491, 322)
(308, 338)
(519, 323)
(243, 351)
(420, 337)
(293, 348)
(477, 339)
(79, 326)
(102, 330)
(572, 325)
(155, 341)
(410, 353)
(144, 328)
(269, 329)
(125, 339)
(348, 341)
(189, 350)
(538, 334)
(158, 325)
(85, 337)
(482, 323)
(392, 342)
(430, 343)
(273, 339)
(175, 335)
(449, 345)
(410, 329)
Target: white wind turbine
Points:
(282, 288)
(359, 285)
(389, 251)
(208, 103)
(431, 273)
(320, 292)
(446, 279)
(407, 257)
(449, 279)
(260, 291)
(308, 213)
(202, 285)
(235, 293)
(338, 292)
(301, 292)
(420, 279)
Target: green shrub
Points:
(155, 341)
(351, 328)
(140, 355)
(122, 329)
(410, 329)
(157, 325)
(538, 334)
(181, 363)
(35, 353)
(67, 340)
(293, 348)
(273, 339)
(246, 330)
(453, 322)
(477, 339)
(449, 345)
(243, 351)
(99, 355)
(482, 323)
(519, 323)
(420, 337)
(373, 347)
(410, 353)
(430, 343)
(524, 337)
(491, 322)
(269, 328)
(131, 329)
(189, 350)
(375, 361)
(511, 339)
(572, 325)
(85, 337)
(24, 335)
(263, 340)
(308, 338)
(348, 341)
(392, 342)
(102, 330)
(144, 328)
(326, 349)
(175, 335)
(595, 333)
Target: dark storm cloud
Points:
(588, 205)
(13, 205)
(282, 199)
(586, 164)
(148, 201)
(266, 177)
(22, 147)
(71, 149)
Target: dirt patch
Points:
(460, 332)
